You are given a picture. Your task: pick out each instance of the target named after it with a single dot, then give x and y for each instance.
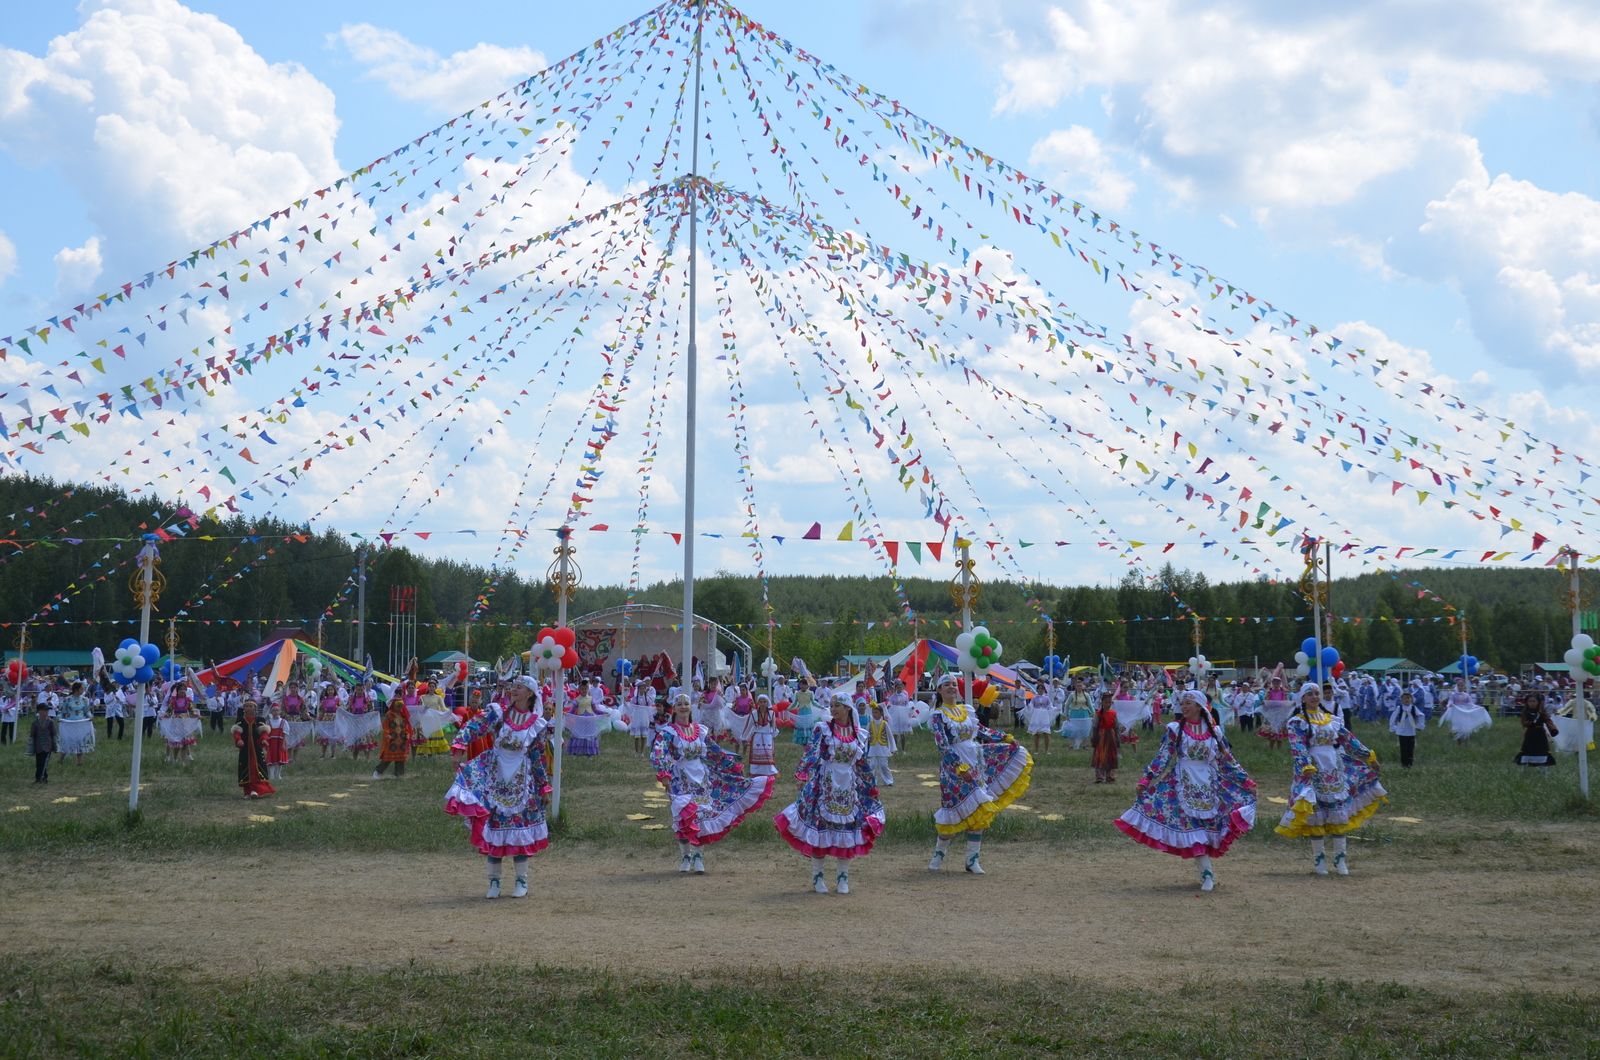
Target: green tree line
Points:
(71, 549)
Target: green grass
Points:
(117, 1008)
(1461, 794)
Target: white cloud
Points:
(452, 83)
(8, 257)
(1527, 261)
(171, 127)
(1074, 160)
(77, 268)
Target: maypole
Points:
(563, 575)
(691, 367)
(964, 592)
(1580, 708)
(147, 584)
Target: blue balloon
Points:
(1330, 655)
(624, 667)
(1052, 665)
(128, 642)
(151, 653)
(1309, 646)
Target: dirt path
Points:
(1121, 915)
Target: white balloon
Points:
(1573, 658)
(1301, 658)
(1302, 670)
(1583, 642)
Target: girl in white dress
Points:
(1463, 714)
(900, 713)
(760, 739)
(1041, 714)
(709, 789)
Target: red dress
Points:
(277, 746)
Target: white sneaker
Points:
(818, 884)
(936, 862)
(521, 889)
(1208, 880)
(376, 775)
(1320, 864)
(494, 888)
(1341, 864)
(844, 883)
(973, 865)
(699, 864)
(685, 864)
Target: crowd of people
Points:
(712, 747)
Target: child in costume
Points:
(1194, 799)
(881, 744)
(708, 787)
(277, 743)
(300, 728)
(1537, 728)
(359, 721)
(1463, 714)
(1335, 786)
(502, 792)
(75, 724)
(394, 739)
(583, 727)
(1104, 740)
(1079, 711)
(981, 772)
(328, 721)
(1405, 721)
(761, 735)
(1041, 713)
(179, 719)
(837, 813)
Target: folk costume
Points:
(75, 726)
(837, 813)
(708, 787)
(1537, 728)
(760, 737)
(250, 737)
(1195, 798)
(981, 772)
(1335, 787)
(359, 721)
(179, 720)
(394, 739)
(1463, 714)
(1104, 743)
(502, 792)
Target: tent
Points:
(275, 659)
(447, 658)
(1397, 667)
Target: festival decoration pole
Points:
(22, 660)
(1328, 590)
(1315, 670)
(691, 365)
(563, 580)
(1580, 709)
(466, 649)
(361, 608)
(964, 591)
(147, 585)
(1050, 651)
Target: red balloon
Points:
(565, 637)
(16, 672)
(1338, 668)
(544, 632)
(569, 659)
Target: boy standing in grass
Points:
(42, 742)
(1404, 721)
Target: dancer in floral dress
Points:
(1195, 798)
(502, 792)
(709, 789)
(1335, 786)
(837, 813)
(981, 772)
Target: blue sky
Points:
(1422, 180)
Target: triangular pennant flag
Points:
(814, 534)
(935, 548)
(893, 549)
(847, 533)
(915, 548)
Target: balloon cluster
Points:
(769, 668)
(553, 649)
(134, 663)
(1199, 664)
(314, 668)
(624, 667)
(1583, 658)
(16, 671)
(978, 650)
(1328, 663)
(171, 671)
(1053, 666)
(1469, 666)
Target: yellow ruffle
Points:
(1303, 809)
(980, 819)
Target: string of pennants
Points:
(434, 295)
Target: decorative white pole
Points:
(967, 594)
(1315, 670)
(563, 580)
(691, 366)
(1580, 709)
(146, 592)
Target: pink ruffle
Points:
(495, 850)
(1237, 826)
(689, 818)
(464, 809)
(873, 829)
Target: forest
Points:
(231, 583)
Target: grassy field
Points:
(118, 1008)
(1460, 816)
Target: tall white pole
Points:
(964, 546)
(1580, 709)
(691, 368)
(564, 570)
(361, 609)
(1315, 670)
(147, 566)
(466, 649)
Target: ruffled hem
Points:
(812, 845)
(1306, 819)
(258, 788)
(1186, 842)
(982, 815)
(689, 826)
(505, 850)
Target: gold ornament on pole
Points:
(563, 576)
